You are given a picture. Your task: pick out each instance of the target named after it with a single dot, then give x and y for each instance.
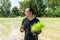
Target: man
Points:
(27, 23)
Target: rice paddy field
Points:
(10, 29)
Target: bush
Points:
(50, 13)
(57, 11)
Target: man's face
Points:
(27, 12)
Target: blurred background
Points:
(12, 13)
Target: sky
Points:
(14, 3)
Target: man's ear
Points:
(32, 13)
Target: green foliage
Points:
(57, 11)
(15, 12)
(39, 6)
(5, 8)
(36, 4)
(1, 12)
(53, 8)
(50, 13)
(52, 3)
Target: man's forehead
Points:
(27, 9)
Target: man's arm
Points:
(22, 26)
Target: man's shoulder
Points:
(24, 19)
(36, 19)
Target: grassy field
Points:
(9, 29)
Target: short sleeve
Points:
(37, 20)
(23, 21)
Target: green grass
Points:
(52, 30)
(10, 25)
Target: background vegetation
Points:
(43, 8)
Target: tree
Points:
(15, 12)
(5, 6)
(1, 12)
(53, 8)
(36, 4)
(57, 11)
(52, 3)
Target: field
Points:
(9, 29)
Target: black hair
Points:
(32, 10)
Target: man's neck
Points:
(31, 17)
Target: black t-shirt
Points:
(27, 27)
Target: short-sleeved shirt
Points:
(27, 27)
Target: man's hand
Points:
(22, 29)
